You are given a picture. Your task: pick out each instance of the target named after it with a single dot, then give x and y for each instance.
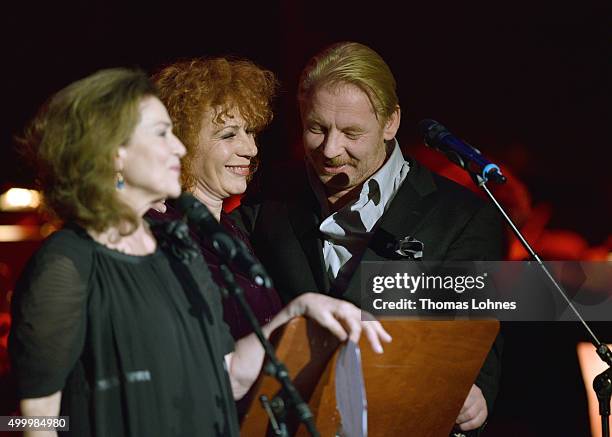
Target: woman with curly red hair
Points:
(218, 106)
(204, 93)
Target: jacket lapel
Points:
(304, 215)
(404, 217)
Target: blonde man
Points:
(357, 194)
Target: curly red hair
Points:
(191, 87)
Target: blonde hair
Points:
(73, 142)
(356, 64)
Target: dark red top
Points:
(264, 302)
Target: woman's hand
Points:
(342, 318)
(45, 406)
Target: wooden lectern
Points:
(416, 388)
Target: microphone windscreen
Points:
(426, 124)
(433, 132)
(185, 202)
(195, 210)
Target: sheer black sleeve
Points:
(49, 315)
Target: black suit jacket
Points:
(452, 222)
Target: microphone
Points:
(459, 152)
(227, 247)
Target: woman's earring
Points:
(119, 181)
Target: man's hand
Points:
(474, 411)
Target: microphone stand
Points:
(602, 384)
(276, 409)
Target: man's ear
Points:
(392, 124)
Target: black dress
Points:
(265, 303)
(135, 343)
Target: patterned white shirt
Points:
(347, 231)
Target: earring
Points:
(119, 181)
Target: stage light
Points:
(19, 199)
(14, 233)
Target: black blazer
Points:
(452, 222)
